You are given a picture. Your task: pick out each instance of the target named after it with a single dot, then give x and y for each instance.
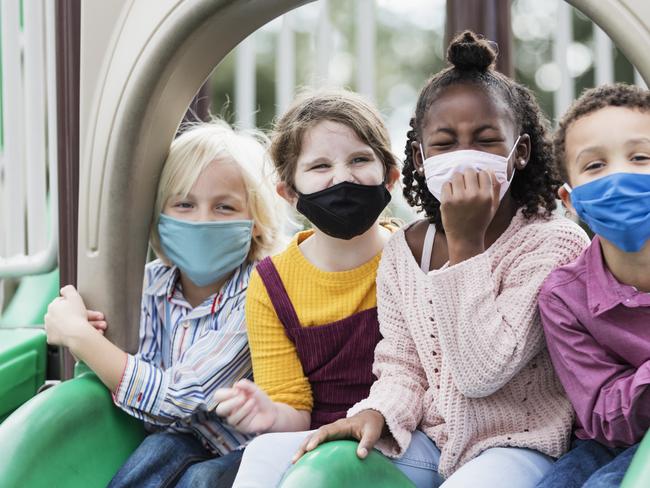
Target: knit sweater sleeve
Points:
(401, 381)
(490, 328)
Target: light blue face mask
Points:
(616, 207)
(205, 251)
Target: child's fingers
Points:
(223, 394)
(247, 386)
(240, 414)
(71, 294)
(94, 315)
(100, 325)
(226, 408)
(368, 440)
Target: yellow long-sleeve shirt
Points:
(319, 297)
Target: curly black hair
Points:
(472, 61)
(612, 95)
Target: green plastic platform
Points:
(68, 436)
(29, 303)
(22, 367)
(638, 475)
(335, 465)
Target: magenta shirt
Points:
(598, 335)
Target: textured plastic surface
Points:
(22, 367)
(68, 436)
(638, 475)
(335, 464)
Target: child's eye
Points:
(360, 159)
(227, 208)
(183, 205)
(594, 166)
(319, 166)
(490, 141)
(640, 157)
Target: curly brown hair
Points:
(471, 60)
(612, 95)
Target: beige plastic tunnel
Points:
(142, 61)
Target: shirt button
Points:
(186, 324)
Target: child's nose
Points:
(341, 174)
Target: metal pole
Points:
(366, 34)
(68, 32)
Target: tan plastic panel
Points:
(628, 24)
(138, 78)
(149, 72)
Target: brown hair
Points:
(310, 108)
(471, 59)
(613, 95)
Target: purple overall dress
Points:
(336, 357)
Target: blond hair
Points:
(194, 150)
(310, 108)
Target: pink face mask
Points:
(439, 169)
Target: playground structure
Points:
(141, 64)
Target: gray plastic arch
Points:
(142, 61)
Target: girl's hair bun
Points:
(468, 51)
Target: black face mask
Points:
(345, 210)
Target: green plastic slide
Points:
(335, 464)
(638, 475)
(68, 436)
(29, 304)
(22, 367)
(23, 349)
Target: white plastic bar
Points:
(638, 79)
(45, 260)
(604, 51)
(13, 122)
(245, 83)
(323, 46)
(35, 129)
(366, 32)
(563, 38)
(285, 67)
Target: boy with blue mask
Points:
(596, 310)
(215, 216)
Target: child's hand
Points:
(468, 204)
(366, 427)
(97, 320)
(246, 407)
(66, 318)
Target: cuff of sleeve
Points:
(398, 439)
(143, 387)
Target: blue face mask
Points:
(616, 207)
(205, 251)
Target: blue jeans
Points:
(171, 459)
(589, 464)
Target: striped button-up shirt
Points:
(185, 354)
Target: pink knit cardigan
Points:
(463, 355)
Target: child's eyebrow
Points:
(483, 127)
(589, 150)
(638, 140)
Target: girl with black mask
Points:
(311, 310)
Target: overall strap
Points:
(425, 262)
(278, 294)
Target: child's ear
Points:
(392, 177)
(416, 156)
(286, 192)
(565, 196)
(522, 152)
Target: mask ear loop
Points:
(568, 188)
(514, 170)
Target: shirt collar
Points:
(167, 284)
(604, 291)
